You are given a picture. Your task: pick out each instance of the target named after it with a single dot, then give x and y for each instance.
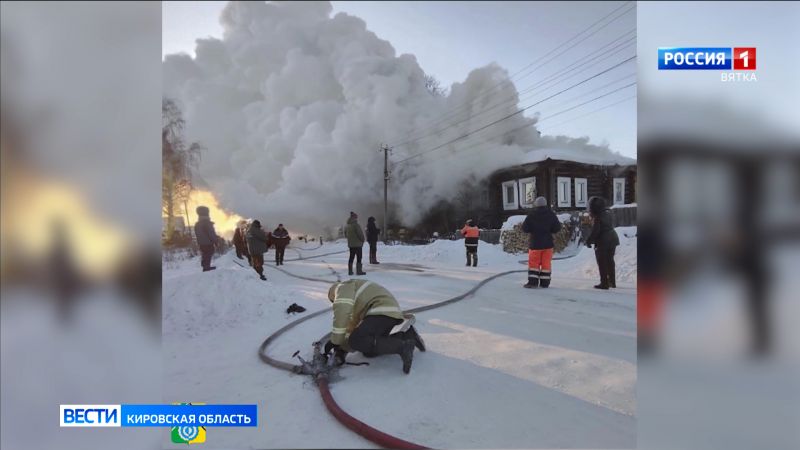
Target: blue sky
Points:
(449, 39)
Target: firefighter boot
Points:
(414, 336)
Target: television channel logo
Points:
(188, 434)
(706, 58)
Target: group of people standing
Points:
(251, 242)
(541, 224)
(355, 242)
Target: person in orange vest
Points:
(471, 233)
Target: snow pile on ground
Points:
(584, 264)
(447, 252)
(627, 205)
(565, 217)
(512, 221)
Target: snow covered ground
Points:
(506, 368)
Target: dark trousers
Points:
(605, 263)
(258, 262)
(373, 252)
(371, 337)
(355, 253)
(279, 255)
(242, 252)
(206, 252)
(472, 256)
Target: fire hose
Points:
(316, 368)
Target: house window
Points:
(527, 191)
(564, 192)
(510, 198)
(619, 191)
(581, 192)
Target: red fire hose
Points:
(355, 425)
(359, 427)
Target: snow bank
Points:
(447, 252)
(565, 217)
(512, 221)
(584, 265)
(628, 205)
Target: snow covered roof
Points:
(602, 157)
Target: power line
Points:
(519, 111)
(454, 111)
(586, 63)
(514, 130)
(590, 112)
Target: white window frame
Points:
(581, 185)
(564, 202)
(616, 181)
(522, 200)
(508, 206)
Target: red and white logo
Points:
(744, 58)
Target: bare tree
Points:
(434, 87)
(178, 159)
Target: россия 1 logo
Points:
(736, 59)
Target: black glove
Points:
(330, 346)
(339, 356)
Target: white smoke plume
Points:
(292, 106)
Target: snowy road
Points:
(506, 368)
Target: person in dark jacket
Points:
(281, 238)
(372, 237)
(541, 224)
(258, 243)
(355, 241)
(240, 242)
(605, 241)
(206, 237)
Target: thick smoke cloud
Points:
(292, 106)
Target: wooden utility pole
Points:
(385, 148)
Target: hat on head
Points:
(540, 201)
(256, 223)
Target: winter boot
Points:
(532, 283)
(600, 286)
(210, 268)
(359, 270)
(544, 283)
(262, 277)
(414, 336)
(407, 353)
(392, 345)
(350, 269)
(469, 259)
(475, 260)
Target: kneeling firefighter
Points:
(364, 314)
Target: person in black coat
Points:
(605, 241)
(541, 224)
(372, 238)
